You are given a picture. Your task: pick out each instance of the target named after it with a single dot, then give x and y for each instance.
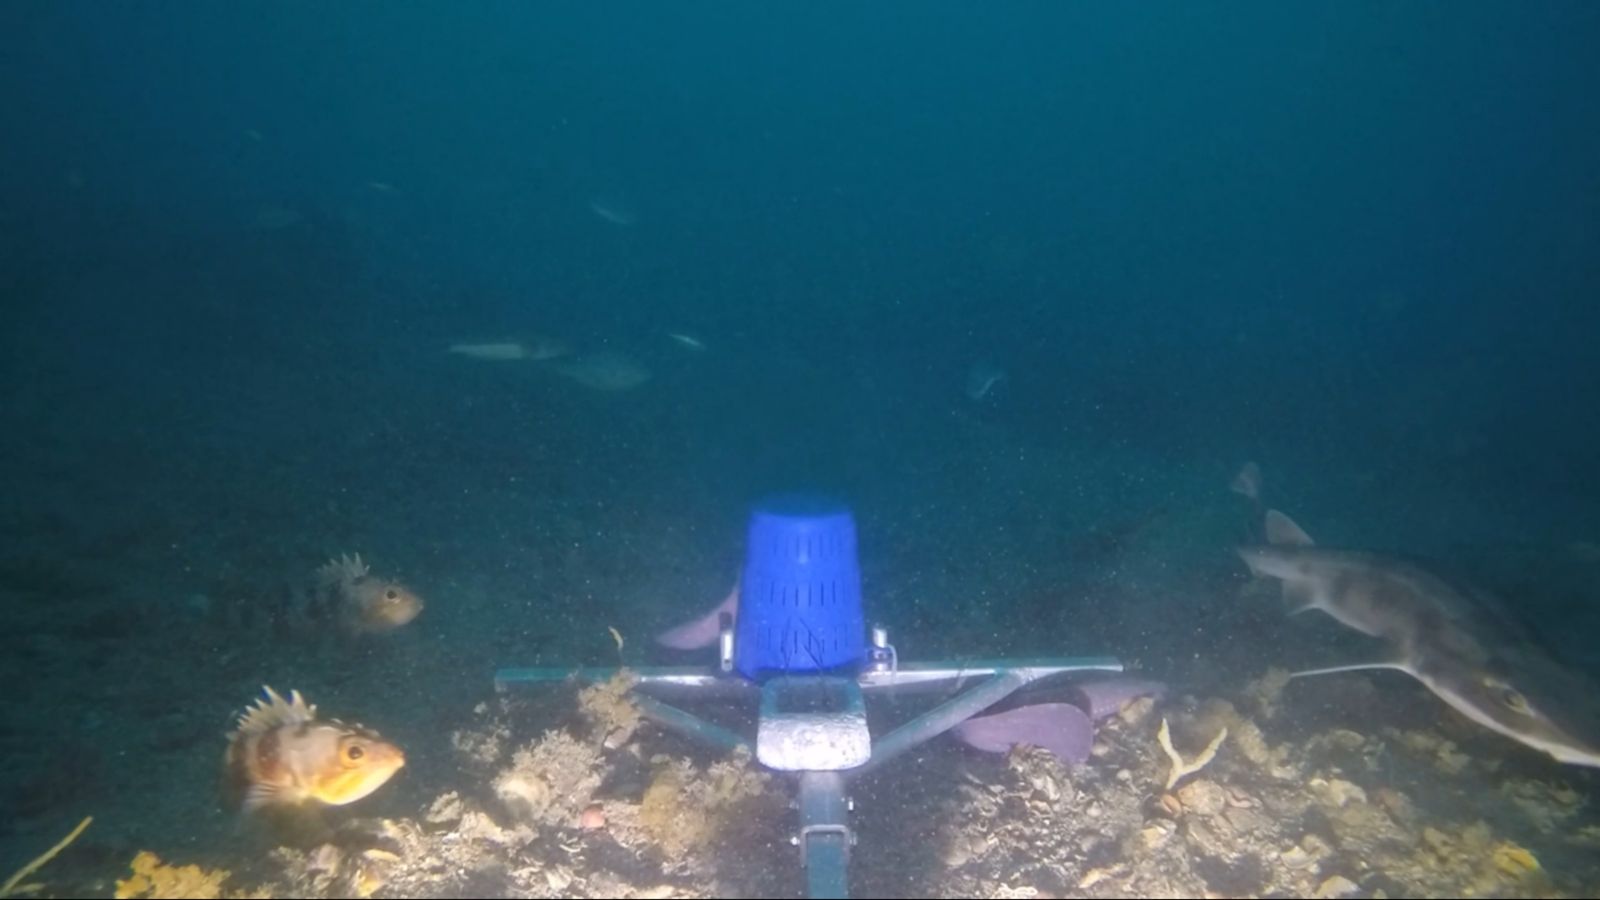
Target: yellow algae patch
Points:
(1514, 860)
(154, 878)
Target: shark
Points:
(1453, 638)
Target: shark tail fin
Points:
(1355, 667)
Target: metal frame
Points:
(824, 835)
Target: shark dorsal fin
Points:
(1283, 532)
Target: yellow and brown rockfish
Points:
(360, 601)
(280, 755)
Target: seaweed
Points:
(14, 885)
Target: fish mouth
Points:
(404, 614)
(397, 606)
(384, 762)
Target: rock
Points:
(1337, 886)
(1203, 797)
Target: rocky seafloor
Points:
(570, 794)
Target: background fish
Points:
(605, 371)
(536, 348)
(982, 378)
(281, 756)
(504, 351)
(360, 601)
(687, 340)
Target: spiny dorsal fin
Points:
(1283, 532)
(344, 570)
(272, 711)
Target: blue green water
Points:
(1355, 242)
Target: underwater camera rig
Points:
(798, 648)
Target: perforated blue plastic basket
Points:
(800, 597)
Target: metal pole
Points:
(693, 726)
(825, 835)
(944, 717)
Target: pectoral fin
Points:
(260, 796)
(1299, 596)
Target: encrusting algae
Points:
(683, 808)
(153, 878)
(609, 709)
(551, 780)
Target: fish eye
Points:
(1511, 697)
(391, 594)
(354, 752)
